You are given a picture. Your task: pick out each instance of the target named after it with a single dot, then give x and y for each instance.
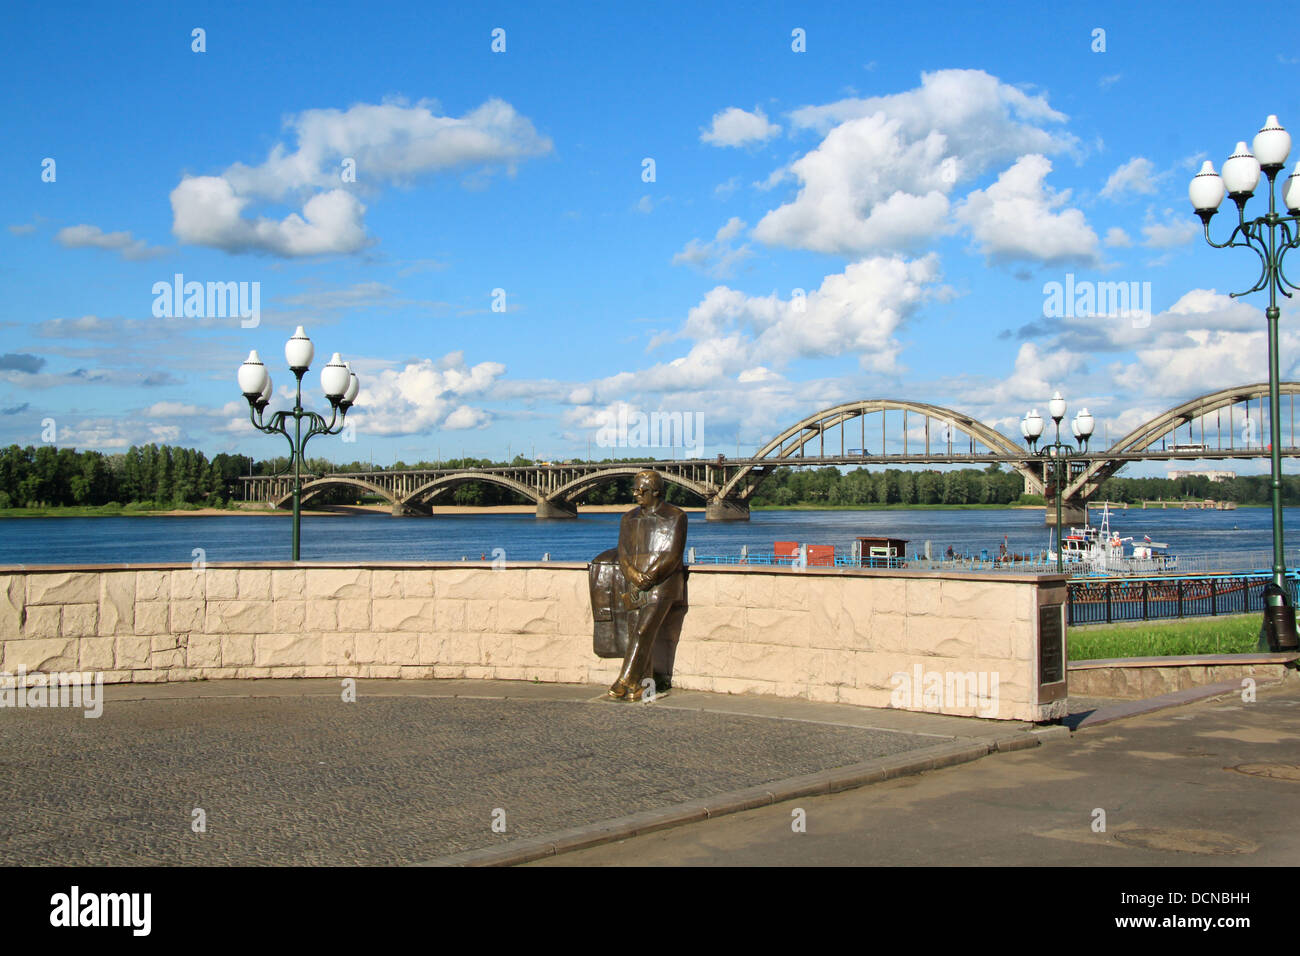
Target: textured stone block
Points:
(386, 583)
(322, 615)
(187, 615)
(62, 588)
(131, 652)
(526, 617)
(236, 650)
(288, 616)
(253, 584)
(481, 615)
(288, 585)
(401, 614)
(152, 617)
(42, 621)
(189, 585)
(338, 584)
(985, 600)
(354, 615)
(203, 651)
(448, 615)
(95, 653)
(482, 583)
(243, 617)
(79, 620)
(388, 649)
(43, 654)
(153, 586)
(288, 650)
(713, 624)
(764, 625)
(222, 584)
(923, 596)
(13, 589)
(117, 603)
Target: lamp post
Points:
(1270, 237)
(1058, 453)
(340, 385)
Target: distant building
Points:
(1212, 475)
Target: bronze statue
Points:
(636, 586)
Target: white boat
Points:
(1099, 550)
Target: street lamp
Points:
(1261, 235)
(340, 385)
(1059, 453)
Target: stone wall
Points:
(819, 634)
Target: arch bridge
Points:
(877, 431)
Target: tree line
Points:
(161, 476)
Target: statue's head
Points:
(648, 488)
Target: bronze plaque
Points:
(1051, 645)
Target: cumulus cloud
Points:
(1020, 218)
(426, 395)
(1117, 238)
(736, 127)
(1135, 176)
(1176, 230)
(737, 337)
(92, 237)
(385, 144)
(719, 256)
(881, 177)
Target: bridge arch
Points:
(571, 490)
(787, 447)
(446, 482)
(1167, 423)
(316, 485)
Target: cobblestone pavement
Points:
(309, 779)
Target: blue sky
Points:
(920, 176)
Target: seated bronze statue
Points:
(635, 586)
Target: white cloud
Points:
(130, 248)
(1117, 238)
(1020, 218)
(718, 257)
(388, 143)
(880, 178)
(736, 127)
(1135, 176)
(425, 395)
(740, 338)
(1176, 230)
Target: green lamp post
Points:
(340, 385)
(1270, 237)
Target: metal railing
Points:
(1107, 601)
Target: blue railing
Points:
(1105, 601)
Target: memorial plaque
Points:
(1051, 645)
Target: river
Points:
(381, 537)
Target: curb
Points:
(1136, 708)
(816, 784)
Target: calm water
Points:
(524, 538)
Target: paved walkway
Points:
(414, 771)
(1210, 783)
(473, 772)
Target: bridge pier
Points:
(726, 509)
(1074, 513)
(547, 508)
